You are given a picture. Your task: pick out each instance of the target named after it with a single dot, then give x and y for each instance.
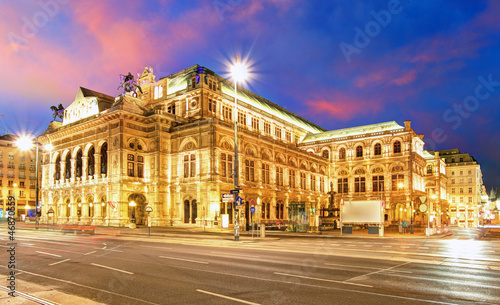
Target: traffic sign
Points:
(227, 197)
(252, 202)
(239, 200)
(149, 209)
(236, 191)
(252, 210)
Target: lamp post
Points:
(239, 72)
(25, 143)
(132, 204)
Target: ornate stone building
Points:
(170, 146)
(374, 162)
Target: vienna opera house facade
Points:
(170, 146)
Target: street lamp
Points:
(132, 204)
(239, 73)
(27, 208)
(25, 143)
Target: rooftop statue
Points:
(129, 84)
(58, 112)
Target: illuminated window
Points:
(227, 113)
(322, 184)
(453, 190)
(429, 169)
(212, 105)
(326, 154)
(267, 128)
(452, 181)
(359, 151)
(291, 178)
(303, 180)
(226, 165)
(461, 199)
(242, 119)
(342, 153)
(313, 183)
(255, 123)
(378, 183)
(470, 190)
(288, 136)
(397, 147)
(249, 170)
(461, 190)
(470, 199)
(265, 173)
(461, 173)
(277, 132)
(158, 92)
(343, 185)
(279, 176)
(377, 150)
(189, 165)
(396, 180)
(469, 180)
(11, 155)
(359, 185)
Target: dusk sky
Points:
(337, 63)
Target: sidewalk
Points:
(228, 233)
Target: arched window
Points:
(359, 151)
(342, 153)
(377, 149)
(429, 169)
(91, 162)
(397, 147)
(68, 166)
(326, 154)
(104, 159)
(79, 163)
(57, 174)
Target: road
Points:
(460, 269)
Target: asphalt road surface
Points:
(197, 269)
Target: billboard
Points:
(362, 211)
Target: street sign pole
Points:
(149, 209)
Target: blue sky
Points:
(336, 63)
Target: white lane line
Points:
(363, 267)
(423, 247)
(25, 244)
(238, 255)
(90, 252)
(387, 246)
(387, 269)
(65, 260)
(127, 272)
(182, 259)
(48, 253)
(226, 297)
(324, 280)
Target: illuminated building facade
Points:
(464, 187)
(171, 147)
(380, 161)
(17, 176)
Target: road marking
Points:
(182, 259)
(127, 272)
(387, 246)
(30, 297)
(362, 267)
(90, 252)
(59, 262)
(387, 269)
(226, 297)
(423, 247)
(48, 253)
(324, 280)
(238, 255)
(25, 244)
(121, 295)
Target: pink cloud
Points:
(338, 105)
(406, 78)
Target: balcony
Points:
(10, 166)
(22, 167)
(10, 176)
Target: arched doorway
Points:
(187, 211)
(137, 209)
(399, 212)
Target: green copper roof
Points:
(347, 132)
(178, 81)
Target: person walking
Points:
(405, 224)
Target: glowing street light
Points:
(25, 143)
(132, 204)
(239, 73)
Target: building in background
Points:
(17, 176)
(464, 187)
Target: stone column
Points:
(63, 170)
(85, 160)
(73, 170)
(97, 166)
